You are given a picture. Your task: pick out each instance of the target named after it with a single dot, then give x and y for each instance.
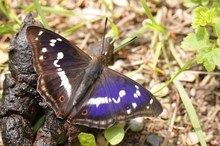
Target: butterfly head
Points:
(103, 50)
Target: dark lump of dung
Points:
(19, 107)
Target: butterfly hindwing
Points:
(61, 67)
(116, 98)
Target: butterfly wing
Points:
(59, 64)
(116, 98)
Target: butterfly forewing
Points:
(61, 67)
(116, 98)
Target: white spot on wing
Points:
(59, 69)
(53, 41)
(128, 111)
(116, 100)
(65, 82)
(36, 38)
(135, 95)
(151, 101)
(97, 101)
(52, 44)
(41, 57)
(122, 93)
(136, 86)
(105, 100)
(44, 50)
(147, 107)
(134, 105)
(60, 55)
(138, 93)
(55, 63)
(40, 33)
(59, 39)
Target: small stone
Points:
(136, 124)
(2, 78)
(90, 13)
(122, 3)
(138, 78)
(187, 76)
(192, 138)
(100, 139)
(4, 57)
(209, 137)
(117, 66)
(157, 86)
(152, 140)
(164, 115)
(193, 92)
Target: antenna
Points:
(103, 40)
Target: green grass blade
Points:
(171, 47)
(8, 28)
(187, 102)
(147, 11)
(55, 10)
(189, 63)
(73, 29)
(191, 112)
(114, 29)
(41, 14)
(157, 54)
(129, 39)
(7, 11)
(153, 23)
(39, 123)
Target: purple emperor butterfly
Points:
(81, 88)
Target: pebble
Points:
(2, 78)
(157, 86)
(100, 139)
(193, 92)
(192, 138)
(164, 115)
(117, 66)
(136, 124)
(122, 3)
(138, 78)
(166, 111)
(4, 57)
(186, 76)
(90, 13)
(152, 140)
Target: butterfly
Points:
(82, 89)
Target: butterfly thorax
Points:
(91, 74)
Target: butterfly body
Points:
(81, 88)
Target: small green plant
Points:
(86, 139)
(206, 38)
(114, 134)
